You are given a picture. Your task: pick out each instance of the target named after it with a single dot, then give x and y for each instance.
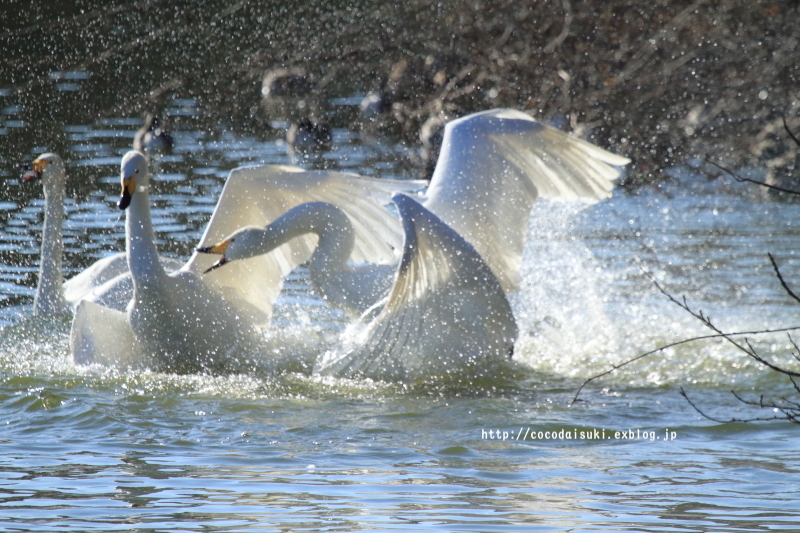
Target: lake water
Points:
(89, 449)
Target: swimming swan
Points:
(180, 322)
(53, 294)
(446, 305)
(445, 308)
(446, 316)
(257, 196)
(172, 322)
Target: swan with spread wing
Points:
(183, 322)
(441, 307)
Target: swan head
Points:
(245, 243)
(134, 176)
(47, 167)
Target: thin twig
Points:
(780, 278)
(760, 403)
(796, 353)
(790, 411)
(749, 350)
(729, 421)
(748, 180)
(796, 386)
(674, 344)
(786, 127)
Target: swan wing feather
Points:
(81, 285)
(446, 312)
(102, 336)
(108, 282)
(492, 167)
(256, 196)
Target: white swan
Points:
(53, 294)
(353, 289)
(446, 317)
(180, 322)
(445, 308)
(49, 297)
(257, 196)
(172, 322)
(462, 246)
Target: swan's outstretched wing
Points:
(103, 336)
(491, 168)
(95, 282)
(79, 286)
(255, 196)
(446, 313)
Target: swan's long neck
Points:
(140, 242)
(49, 294)
(329, 223)
(352, 288)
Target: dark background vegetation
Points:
(659, 81)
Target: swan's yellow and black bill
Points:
(216, 249)
(128, 186)
(221, 261)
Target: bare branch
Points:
(731, 420)
(789, 409)
(790, 404)
(796, 353)
(748, 180)
(629, 361)
(754, 354)
(749, 350)
(672, 345)
(780, 278)
(759, 403)
(786, 127)
(796, 386)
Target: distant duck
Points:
(431, 134)
(398, 88)
(152, 136)
(375, 104)
(286, 82)
(308, 135)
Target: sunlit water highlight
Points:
(97, 449)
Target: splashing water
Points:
(92, 448)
